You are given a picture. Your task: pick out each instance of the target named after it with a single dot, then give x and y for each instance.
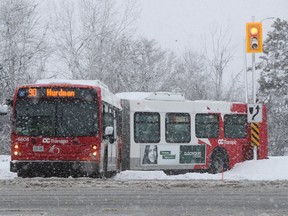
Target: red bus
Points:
(166, 132)
(65, 127)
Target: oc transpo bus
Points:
(163, 131)
(65, 127)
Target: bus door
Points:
(110, 141)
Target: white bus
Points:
(163, 131)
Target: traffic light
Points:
(254, 37)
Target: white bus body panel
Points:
(140, 103)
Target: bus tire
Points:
(104, 173)
(219, 162)
(119, 162)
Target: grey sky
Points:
(180, 24)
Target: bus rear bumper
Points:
(54, 168)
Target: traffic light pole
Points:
(254, 97)
(254, 91)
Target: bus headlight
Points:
(16, 151)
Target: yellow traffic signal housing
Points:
(254, 41)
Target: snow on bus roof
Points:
(75, 82)
(165, 96)
(216, 101)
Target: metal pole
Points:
(254, 91)
(253, 78)
(254, 97)
(245, 73)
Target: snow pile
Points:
(5, 168)
(272, 169)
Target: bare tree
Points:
(68, 43)
(190, 77)
(219, 53)
(234, 91)
(86, 38)
(22, 43)
(23, 52)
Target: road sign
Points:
(255, 139)
(254, 113)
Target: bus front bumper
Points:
(55, 167)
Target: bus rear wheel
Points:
(219, 162)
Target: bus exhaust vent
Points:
(165, 96)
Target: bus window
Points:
(72, 121)
(178, 129)
(108, 117)
(34, 119)
(207, 125)
(235, 126)
(146, 127)
(108, 120)
(41, 125)
(56, 118)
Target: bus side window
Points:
(177, 128)
(146, 127)
(108, 117)
(207, 125)
(235, 126)
(118, 122)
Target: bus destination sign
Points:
(43, 92)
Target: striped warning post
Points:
(255, 134)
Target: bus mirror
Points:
(109, 131)
(9, 102)
(3, 109)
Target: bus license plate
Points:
(38, 148)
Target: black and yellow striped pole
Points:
(255, 141)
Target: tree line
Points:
(96, 39)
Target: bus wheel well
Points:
(219, 160)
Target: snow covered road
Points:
(257, 188)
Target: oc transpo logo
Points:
(226, 142)
(54, 149)
(46, 140)
(54, 141)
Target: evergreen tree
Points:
(274, 85)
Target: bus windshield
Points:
(57, 117)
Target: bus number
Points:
(32, 92)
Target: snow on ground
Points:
(272, 169)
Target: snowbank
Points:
(272, 169)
